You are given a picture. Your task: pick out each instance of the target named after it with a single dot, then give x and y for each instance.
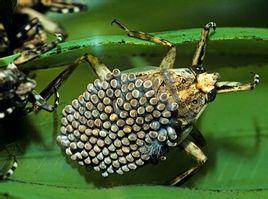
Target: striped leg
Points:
(10, 166)
(169, 60)
(198, 155)
(100, 69)
(63, 7)
(227, 87)
(47, 24)
(29, 55)
(30, 28)
(32, 35)
(4, 42)
(201, 48)
(40, 103)
(57, 81)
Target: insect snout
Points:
(206, 81)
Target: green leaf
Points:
(65, 52)
(235, 125)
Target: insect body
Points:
(17, 94)
(25, 26)
(17, 89)
(124, 120)
(36, 8)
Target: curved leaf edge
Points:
(177, 37)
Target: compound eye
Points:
(198, 69)
(194, 101)
(212, 95)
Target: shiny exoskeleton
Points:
(124, 120)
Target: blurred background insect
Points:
(18, 96)
(24, 25)
(17, 91)
(24, 28)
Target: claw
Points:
(210, 25)
(256, 80)
(116, 21)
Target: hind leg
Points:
(169, 60)
(100, 69)
(193, 150)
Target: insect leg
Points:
(32, 34)
(198, 137)
(100, 69)
(169, 60)
(4, 42)
(193, 150)
(227, 87)
(39, 100)
(63, 7)
(201, 47)
(57, 81)
(40, 103)
(10, 166)
(29, 55)
(48, 25)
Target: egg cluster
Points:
(118, 124)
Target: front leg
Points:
(193, 150)
(227, 87)
(197, 63)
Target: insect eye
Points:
(194, 101)
(212, 95)
(198, 69)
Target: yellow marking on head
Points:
(206, 81)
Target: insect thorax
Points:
(125, 120)
(15, 88)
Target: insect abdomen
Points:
(119, 123)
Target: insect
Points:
(6, 9)
(25, 26)
(36, 8)
(17, 89)
(17, 94)
(125, 120)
